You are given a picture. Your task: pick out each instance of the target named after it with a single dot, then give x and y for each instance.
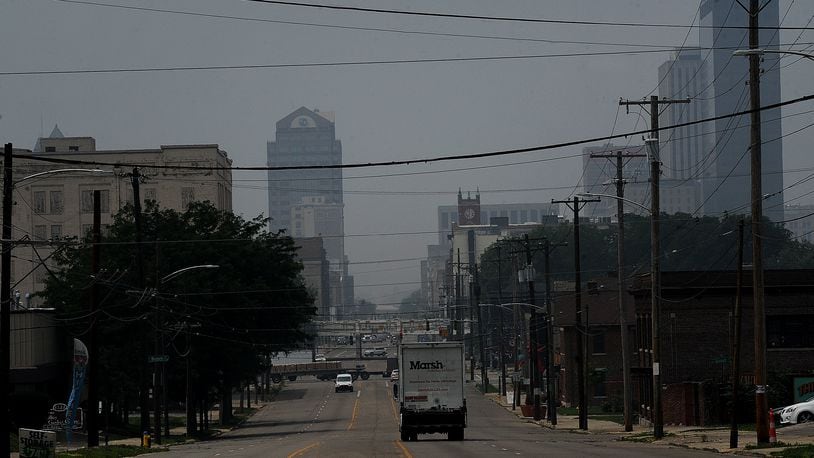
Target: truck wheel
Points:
(459, 434)
(364, 375)
(354, 376)
(291, 378)
(276, 379)
(405, 437)
(414, 437)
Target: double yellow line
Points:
(301, 451)
(355, 412)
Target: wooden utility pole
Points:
(761, 404)
(532, 356)
(94, 351)
(736, 341)
(581, 325)
(655, 249)
(5, 305)
(551, 378)
(620, 278)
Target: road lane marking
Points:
(403, 449)
(299, 452)
(358, 393)
(393, 409)
(353, 417)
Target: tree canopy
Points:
(221, 320)
(687, 243)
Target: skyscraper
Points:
(308, 203)
(682, 149)
(726, 182)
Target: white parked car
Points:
(344, 382)
(394, 376)
(802, 412)
(320, 357)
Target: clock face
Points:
(303, 122)
(469, 213)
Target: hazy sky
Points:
(383, 111)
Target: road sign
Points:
(158, 358)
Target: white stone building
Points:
(56, 206)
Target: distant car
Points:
(802, 412)
(367, 353)
(320, 357)
(394, 376)
(367, 338)
(344, 382)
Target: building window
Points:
(149, 194)
(73, 148)
(57, 203)
(39, 232)
(50, 149)
(598, 379)
(533, 216)
(39, 202)
(87, 201)
(56, 231)
(187, 197)
(790, 331)
(599, 342)
(524, 216)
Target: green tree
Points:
(221, 319)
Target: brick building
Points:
(696, 328)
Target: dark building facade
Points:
(696, 329)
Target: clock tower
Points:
(468, 209)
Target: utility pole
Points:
(551, 379)
(470, 242)
(655, 249)
(581, 324)
(532, 356)
(736, 342)
(761, 404)
(483, 376)
(502, 325)
(5, 305)
(93, 367)
(620, 279)
(145, 385)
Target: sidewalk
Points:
(715, 438)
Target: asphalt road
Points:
(308, 419)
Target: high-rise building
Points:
(682, 149)
(308, 203)
(726, 180)
(308, 138)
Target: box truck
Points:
(431, 390)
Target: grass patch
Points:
(643, 437)
(795, 452)
(110, 451)
(762, 446)
(616, 418)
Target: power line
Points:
(426, 160)
(504, 18)
(359, 28)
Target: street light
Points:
(611, 196)
(157, 358)
(760, 52)
(5, 289)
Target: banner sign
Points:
(57, 418)
(80, 364)
(803, 389)
(37, 444)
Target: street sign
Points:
(158, 358)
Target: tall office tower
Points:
(308, 203)
(726, 182)
(682, 149)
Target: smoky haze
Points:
(384, 111)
